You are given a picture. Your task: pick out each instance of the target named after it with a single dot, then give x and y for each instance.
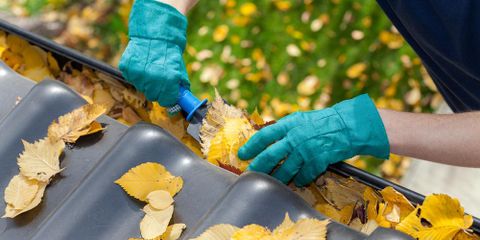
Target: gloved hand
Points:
(310, 141)
(153, 61)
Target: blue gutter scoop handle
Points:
(188, 102)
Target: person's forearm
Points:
(445, 138)
(182, 6)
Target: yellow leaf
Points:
(20, 192)
(439, 217)
(53, 64)
(224, 130)
(256, 118)
(376, 210)
(40, 160)
(369, 227)
(94, 128)
(87, 98)
(308, 86)
(250, 232)
(356, 70)
(284, 226)
(37, 74)
(464, 235)
(398, 206)
(392, 40)
(248, 9)
(103, 97)
(305, 229)
(173, 232)
(192, 144)
(220, 33)
(2, 49)
(11, 212)
(372, 199)
(145, 178)
(282, 5)
(343, 215)
(155, 222)
(75, 124)
(309, 228)
(34, 57)
(13, 60)
(174, 125)
(159, 199)
(218, 232)
(16, 43)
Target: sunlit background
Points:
(274, 56)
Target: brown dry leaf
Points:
(102, 96)
(307, 193)
(40, 160)
(340, 191)
(130, 116)
(439, 217)
(155, 222)
(147, 177)
(134, 99)
(11, 212)
(159, 199)
(20, 192)
(218, 232)
(75, 124)
(138, 102)
(80, 83)
(224, 130)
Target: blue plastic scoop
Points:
(194, 109)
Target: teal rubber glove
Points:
(310, 141)
(153, 60)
